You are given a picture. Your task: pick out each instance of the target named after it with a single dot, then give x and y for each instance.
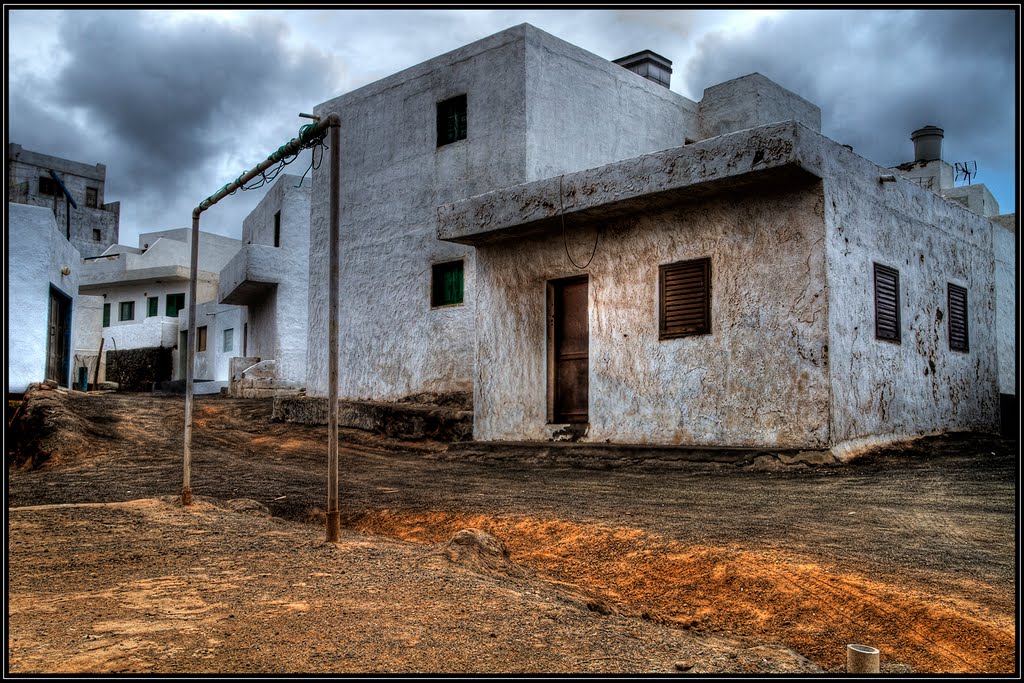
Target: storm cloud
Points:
(178, 103)
(173, 108)
(880, 75)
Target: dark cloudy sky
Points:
(178, 103)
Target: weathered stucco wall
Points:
(583, 110)
(751, 101)
(536, 106)
(37, 253)
(24, 168)
(1004, 243)
(883, 389)
(759, 378)
(393, 177)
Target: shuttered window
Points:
(106, 315)
(958, 340)
(175, 302)
(685, 298)
(152, 306)
(887, 303)
(451, 120)
(446, 284)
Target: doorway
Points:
(58, 342)
(568, 351)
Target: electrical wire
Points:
(565, 244)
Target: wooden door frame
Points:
(64, 340)
(550, 341)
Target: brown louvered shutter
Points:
(685, 298)
(887, 303)
(958, 340)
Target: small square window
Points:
(91, 197)
(685, 299)
(152, 306)
(47, 185)
(958, 337)
(106, 315)
(887, 303)
(200, 339)
(127, 311)
(451, 120)
(97, 235)
(229, 339)
(175, 302)
(277, 229)
(446, 284)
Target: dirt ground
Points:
(700, 568)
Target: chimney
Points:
(927, 143)
(650, 65)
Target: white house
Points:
(42, 295)
(595, 256)
(144, 293)
(268, 280)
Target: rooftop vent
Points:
(927, 143)
(650, 65)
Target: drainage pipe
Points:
(314, 132)
(861, 659)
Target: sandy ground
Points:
(700, 568)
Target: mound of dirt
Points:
(480, 552)
(45, 429)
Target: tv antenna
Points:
(965, 171)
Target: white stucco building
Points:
(144, 294)
(595, 255)
(42, 299)
(267, 280)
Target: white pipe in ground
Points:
(861, 659)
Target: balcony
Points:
(247, 279)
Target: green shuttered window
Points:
(152, 306)
(175, 302)
(106, 315)
(685, 302)
(887, 303)
(446, 284)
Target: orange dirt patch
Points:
(759, 595)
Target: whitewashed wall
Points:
(535, 106)
(37, 254)
(760, 377)
(886, 390)
(1004, 243)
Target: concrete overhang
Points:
(98, 281)
(250, 275)
(777, 153)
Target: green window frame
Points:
(175, 302)
(446, 287)
(152, 306)
(451, 120)
(106, 315)
(126, 311)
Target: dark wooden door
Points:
(58, 340)
(570, 337)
